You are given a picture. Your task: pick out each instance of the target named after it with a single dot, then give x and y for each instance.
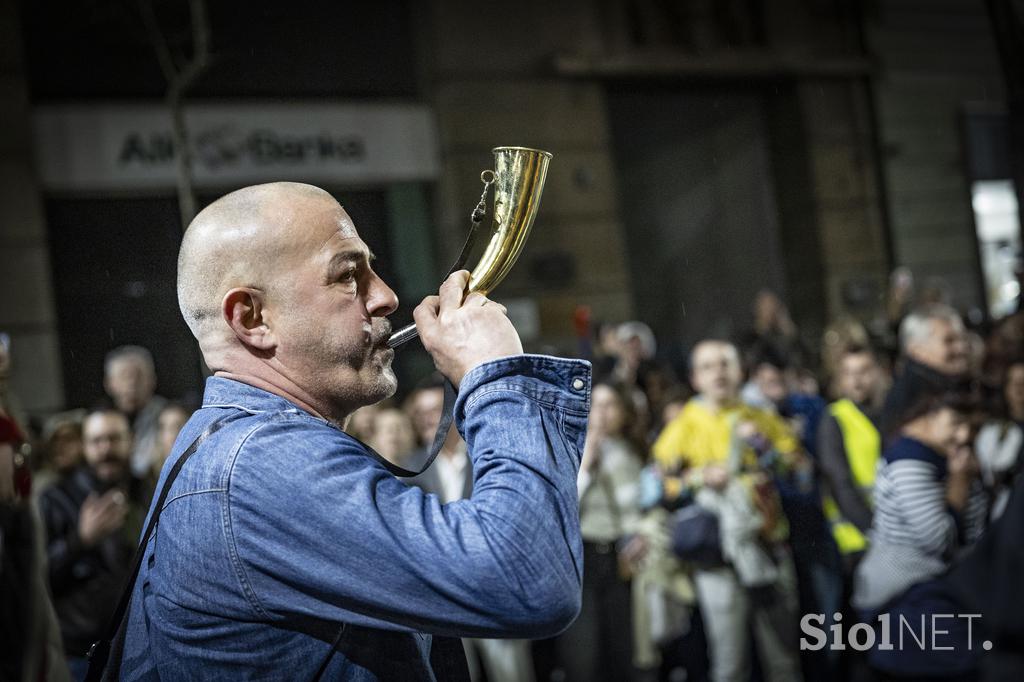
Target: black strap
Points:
(445, 425)
(99, 654)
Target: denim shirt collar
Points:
(223, 392)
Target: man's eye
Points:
(347, 276)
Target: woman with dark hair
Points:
(598, 645)
(928, 506)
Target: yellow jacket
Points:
(699, 436)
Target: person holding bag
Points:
(722, 455)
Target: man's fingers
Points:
(453, 289)
(425, 314)
(474, 300)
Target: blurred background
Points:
(703, 151)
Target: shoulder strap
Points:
(99, 653)
(445, 425)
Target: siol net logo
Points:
(933, 632)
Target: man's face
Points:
(858, 377)
(944, 349)
(328, 308)
(425, 410)
(130, 383)
(716, 371)
(107, 440)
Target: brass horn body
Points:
(519, 175)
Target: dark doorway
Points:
(698, 203)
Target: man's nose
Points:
(382, 300)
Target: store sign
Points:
(112, 147)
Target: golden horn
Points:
(519, 175)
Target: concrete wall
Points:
(27, 310)
(933, 58)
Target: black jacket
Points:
(85, 582)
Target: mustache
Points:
(381, 331)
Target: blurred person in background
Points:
(607, 349)
(61, 449)
(848, 449)
(424, 406)
(28, 626)
(929, 505)
(934, 359)
(637, 373)
(169, 424)
(129, 378)
(776, 388)
(724, 455)
(393, 436)
(1000, 442)
(1005, 344)
(360, 424)
(987, 581)
(773, 332)
(839, 336)
(598, 645)
(93, 519)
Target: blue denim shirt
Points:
(281, 527)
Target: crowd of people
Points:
(773, 479)
(720, 506)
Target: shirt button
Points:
(578, 384)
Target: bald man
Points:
(284, 545)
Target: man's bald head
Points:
(277, 287)
(243, 239)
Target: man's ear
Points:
(242, 309)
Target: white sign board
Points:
(119, 147)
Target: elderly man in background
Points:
(934, 359)
(93, 519)
(129, 378)
(285, 549)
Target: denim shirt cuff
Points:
(559, 382)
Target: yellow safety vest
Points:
(863, 447)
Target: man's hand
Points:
(100, 516)
(461, 332)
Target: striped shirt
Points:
(914, 532)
